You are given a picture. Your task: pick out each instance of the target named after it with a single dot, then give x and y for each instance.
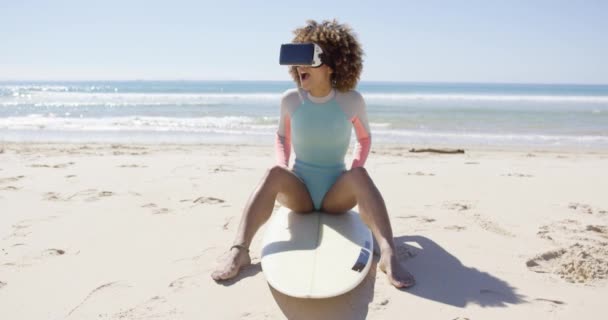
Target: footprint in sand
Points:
(156, 209)
(2, 284)
(601, 230)
(105, 193)
(30, 260)
(221, 168)
(9, 188)
(419, 173)
(11, 179)
(53, 252)
(544, 233)
(426, 219)
(205, 200)
(457, 206)
(122, 153)
(208, 200)
(491, 226)
(185, 283)
(585, 208)
(479, 219)
(518, 175)
(563, 228)
(89, 195)
(18, 233)
(52, 196)
(572, 231)
(20, 228)
(132, 166)
(161, 211)
(55, 166)
(455, 228)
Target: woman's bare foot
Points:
(230, 264)
(398, 276)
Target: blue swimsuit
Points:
(320, 129)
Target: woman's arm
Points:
(283, 136)
(362, 131)
(363, 146)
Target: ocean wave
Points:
(78, 99)
(244, 125)
(203, 124)
(61, 97)
(403, 97)
(25, 88)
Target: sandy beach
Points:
(101, 231)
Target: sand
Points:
(95, 231)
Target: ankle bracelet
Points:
(240, 246)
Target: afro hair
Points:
(341, 51)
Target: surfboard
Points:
(315, 255)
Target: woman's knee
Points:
(359, 174)
(273, 176)
(276, 172)
(361, 181)
(279, 177)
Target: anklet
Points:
(240, 246)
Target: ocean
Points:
(538, 116)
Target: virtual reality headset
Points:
(301, 54)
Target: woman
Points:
(319, 116)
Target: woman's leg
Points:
(356, 187)
(279, 183)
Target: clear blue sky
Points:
(462, 41)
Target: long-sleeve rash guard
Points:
(320, 128)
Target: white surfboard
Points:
(316, 255)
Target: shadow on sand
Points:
(443, 278)
(351, 305)
(439, 277)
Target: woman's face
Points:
(315, 79)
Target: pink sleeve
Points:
(283, 141)
(364, 142)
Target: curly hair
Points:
(341, 51)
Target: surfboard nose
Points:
(316, 255)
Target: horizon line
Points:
(269, 80)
